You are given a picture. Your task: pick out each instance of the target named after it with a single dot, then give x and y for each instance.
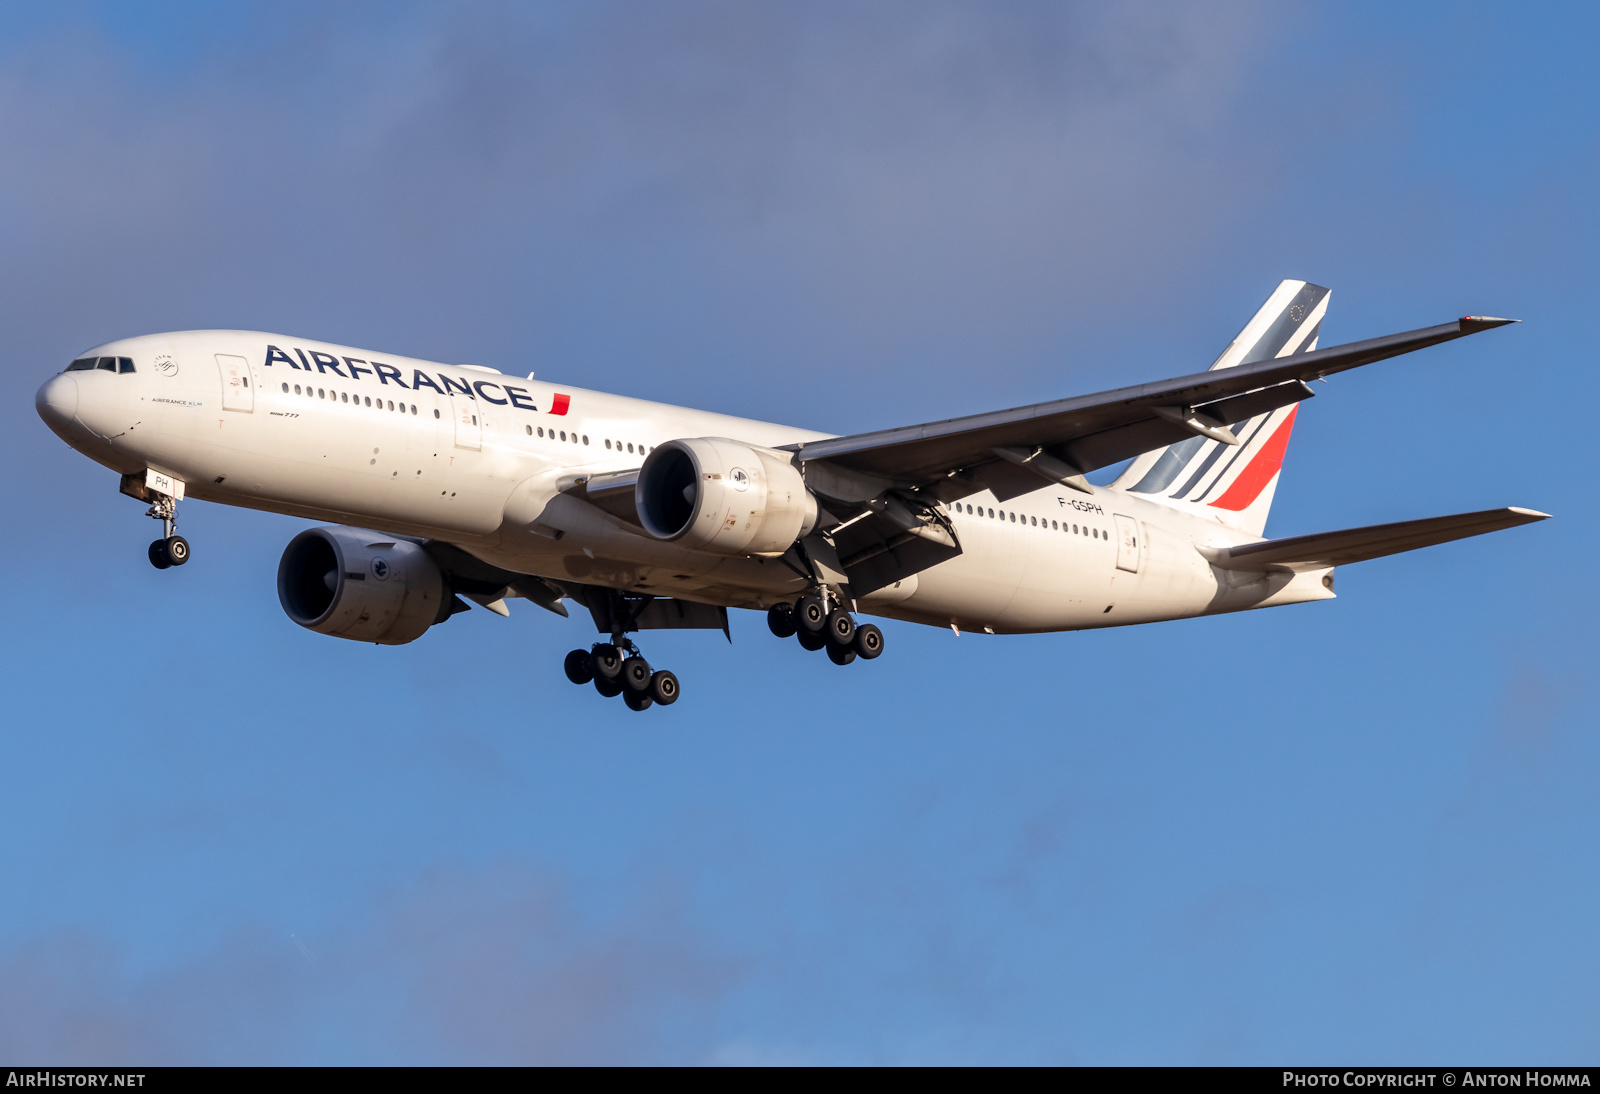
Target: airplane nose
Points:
(57, 402)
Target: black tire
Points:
(637, 700)
(840, 655)
(810, 617)
(178, 550)
(158, 555)
(605, 663)
(664, 688)
(576, 666)
(869, 642)
(635, 674)
(841, 628)
(610, 688)
(780, 620)
(811, 641)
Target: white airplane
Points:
(452, 481)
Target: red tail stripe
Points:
(1254, 478)
(559, 403)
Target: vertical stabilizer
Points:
(1234, 484)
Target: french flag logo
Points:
(560, 403)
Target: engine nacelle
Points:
(718, 495)
(362, 585)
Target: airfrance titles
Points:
(385, 374)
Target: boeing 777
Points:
(444, 482)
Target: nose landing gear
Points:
(616, 668)
(172, 549)
(810, 621)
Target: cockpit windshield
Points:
(109, 364)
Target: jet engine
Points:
(362, 585)
(718, 495)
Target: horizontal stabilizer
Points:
(1298, 554)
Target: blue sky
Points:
(1356, 831)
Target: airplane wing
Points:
(1010, 451)
(1317, 552)
(489, 586)
(880, 489)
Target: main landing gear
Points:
(172, 549)
(817, 627)
(616, 668)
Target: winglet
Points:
(1472, 324)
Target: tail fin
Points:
(1235, 483)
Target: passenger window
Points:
(321, 394)
(413, 408)
(124, 364)
(630, 447)
(529, 428)
(82, 364)
(286, 389)
(391, 404)
(608, 443)
(344, 397)
(586, 438)
(541, 431)
(1052, 526)
(991, 514)
(1034, 521)
(297, 389)
(563, 434)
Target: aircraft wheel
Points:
(158, 555)
(780, 620)
(636, 674)
(811, 641)
(840, 655)
(664, 688)
(610, 687)
(637, 700)
(576, 666)
(810, 616)
(841, 628)
(605, 663)
(178, 550)
(869, 641)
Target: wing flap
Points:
(1325, 549)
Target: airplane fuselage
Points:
(480, 459)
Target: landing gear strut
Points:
(172, 549)
(617, 668)
(817, 627)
